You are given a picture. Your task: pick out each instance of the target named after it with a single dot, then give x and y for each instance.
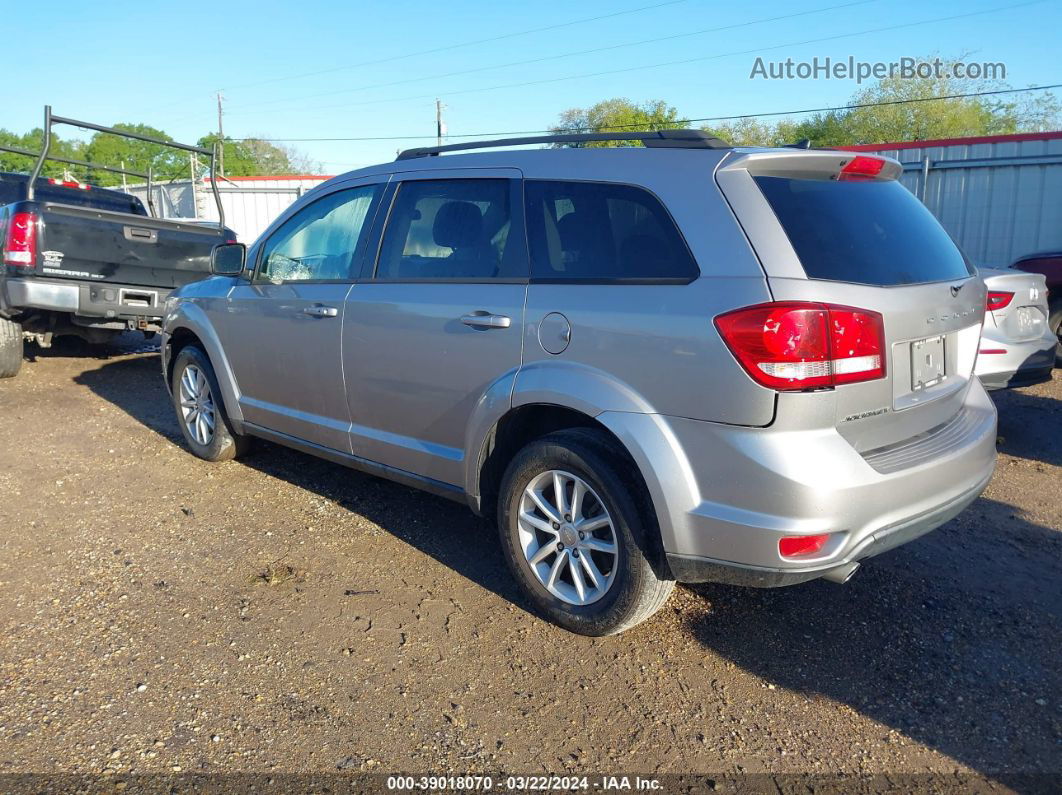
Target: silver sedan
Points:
(1017, 345)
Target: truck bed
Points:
(89, 244)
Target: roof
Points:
(980, 139)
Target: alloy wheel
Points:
(567, 537)
(197, 405)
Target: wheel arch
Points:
(190, 326)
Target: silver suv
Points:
(682, 361)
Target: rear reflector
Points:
(861, 167)
(794, 346)
(998, 300)
(801, 546)
(992, 350)
(20, 242)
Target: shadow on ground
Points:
(444, 530)
(952, 641)
(1030, 425)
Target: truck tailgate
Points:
(85, 243)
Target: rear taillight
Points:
(801, 546)
(861, 167)
(793, 346)
(20, 242)
(998, 300)
(68, 184)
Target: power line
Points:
(684, 121)
(446, 48)
(572, 54)
(681, 62)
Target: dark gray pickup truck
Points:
(89, 262)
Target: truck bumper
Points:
(92, 300)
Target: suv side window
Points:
(603, 232)
(451, 229)
(319, 242)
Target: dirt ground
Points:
(280, 614)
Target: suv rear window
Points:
(863, 232)
(594, 232)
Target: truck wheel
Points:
(200, 410)
(579, 539)
(10, 348)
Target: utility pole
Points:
(440, 125)
(221, 141)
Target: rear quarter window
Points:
(866, 232)
(603, 232)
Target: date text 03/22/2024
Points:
(605, 783)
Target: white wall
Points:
(250, 204)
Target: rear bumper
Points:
(1020, 363)
(728, 494)
(104, 300)
(694, 569)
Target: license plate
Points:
(927, 362)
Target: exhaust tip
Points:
(841, 574)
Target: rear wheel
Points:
(200, 410)
(578, 534)
(10, 348)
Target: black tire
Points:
(640, 584)
(224, 443)
(10, 348)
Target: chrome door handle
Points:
(485, 320)
(320, 311)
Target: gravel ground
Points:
(283, 614)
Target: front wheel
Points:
(200, 411)
(10, 348)
(577, 532)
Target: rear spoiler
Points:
(42, 156)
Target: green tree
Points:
(251, 157)
(113, 150)
(31, 141)
(919, 109)
(618, 115)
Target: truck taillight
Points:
(998, 300)
(20, 242)
(794, 346)
(68, 184)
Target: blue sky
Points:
(318, 69)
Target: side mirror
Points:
(228, 259)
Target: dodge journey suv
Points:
(679, 361)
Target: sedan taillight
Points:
(794, 346)
(998, 300)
